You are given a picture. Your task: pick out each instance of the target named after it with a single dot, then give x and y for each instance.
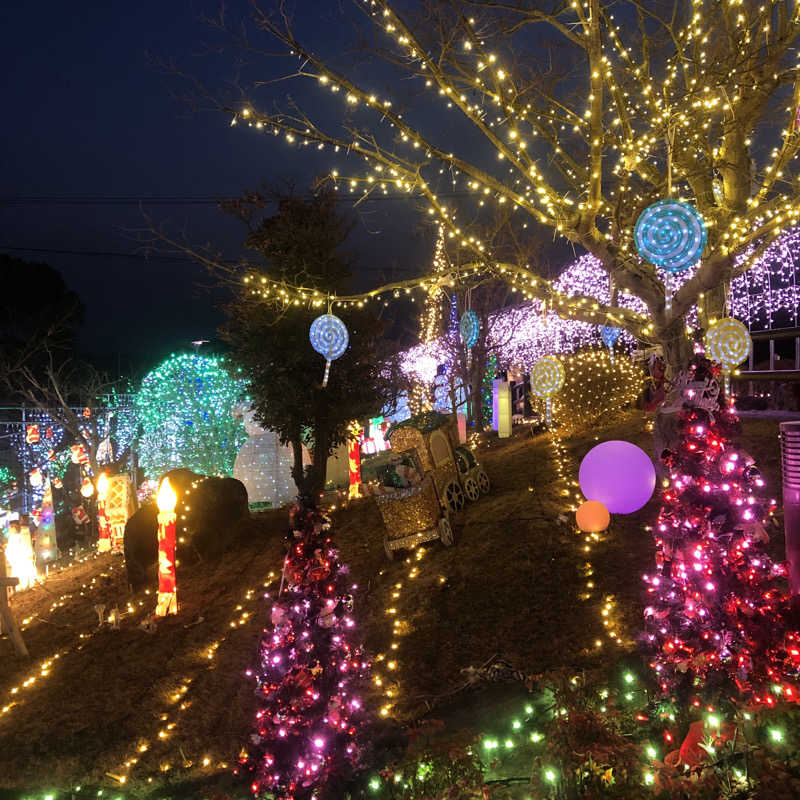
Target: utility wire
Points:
(105, 253)
(179, 199)
(161, 257)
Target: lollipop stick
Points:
(327, 372)
(548, 417)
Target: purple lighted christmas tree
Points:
(306, 738)
(716, 607)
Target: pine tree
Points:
(715, 606)
(488, 389)
(306, 738)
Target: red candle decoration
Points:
(167, 589)
(103, 528)
(354, 460)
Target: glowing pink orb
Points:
(619, 475)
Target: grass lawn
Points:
(175, 699)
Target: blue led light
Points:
(329, 336)
(609, 335)
(469, 328)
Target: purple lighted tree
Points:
(306, 737)
(716, 606)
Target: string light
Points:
(596, 385)
(388, 683)
(605, 151)
(44, 669)
(593, 385)
(160, 742)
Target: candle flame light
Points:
(166, 499)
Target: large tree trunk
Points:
(298, 473)
(677, 348)
(476, 404)
(318, 470)
(712, 306)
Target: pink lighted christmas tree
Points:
(306, 738)
(716, 616)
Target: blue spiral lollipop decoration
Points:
(469, 328)
(670, 235)
(329, 338)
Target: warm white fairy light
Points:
(583, 164)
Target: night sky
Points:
(90, 118)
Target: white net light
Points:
(264, 466)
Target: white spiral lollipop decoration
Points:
(728, 342)
(547, 376)
(329, 338)
(547, 379)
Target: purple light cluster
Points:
(766, 296)
(421, 362)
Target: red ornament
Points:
(32, 434)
